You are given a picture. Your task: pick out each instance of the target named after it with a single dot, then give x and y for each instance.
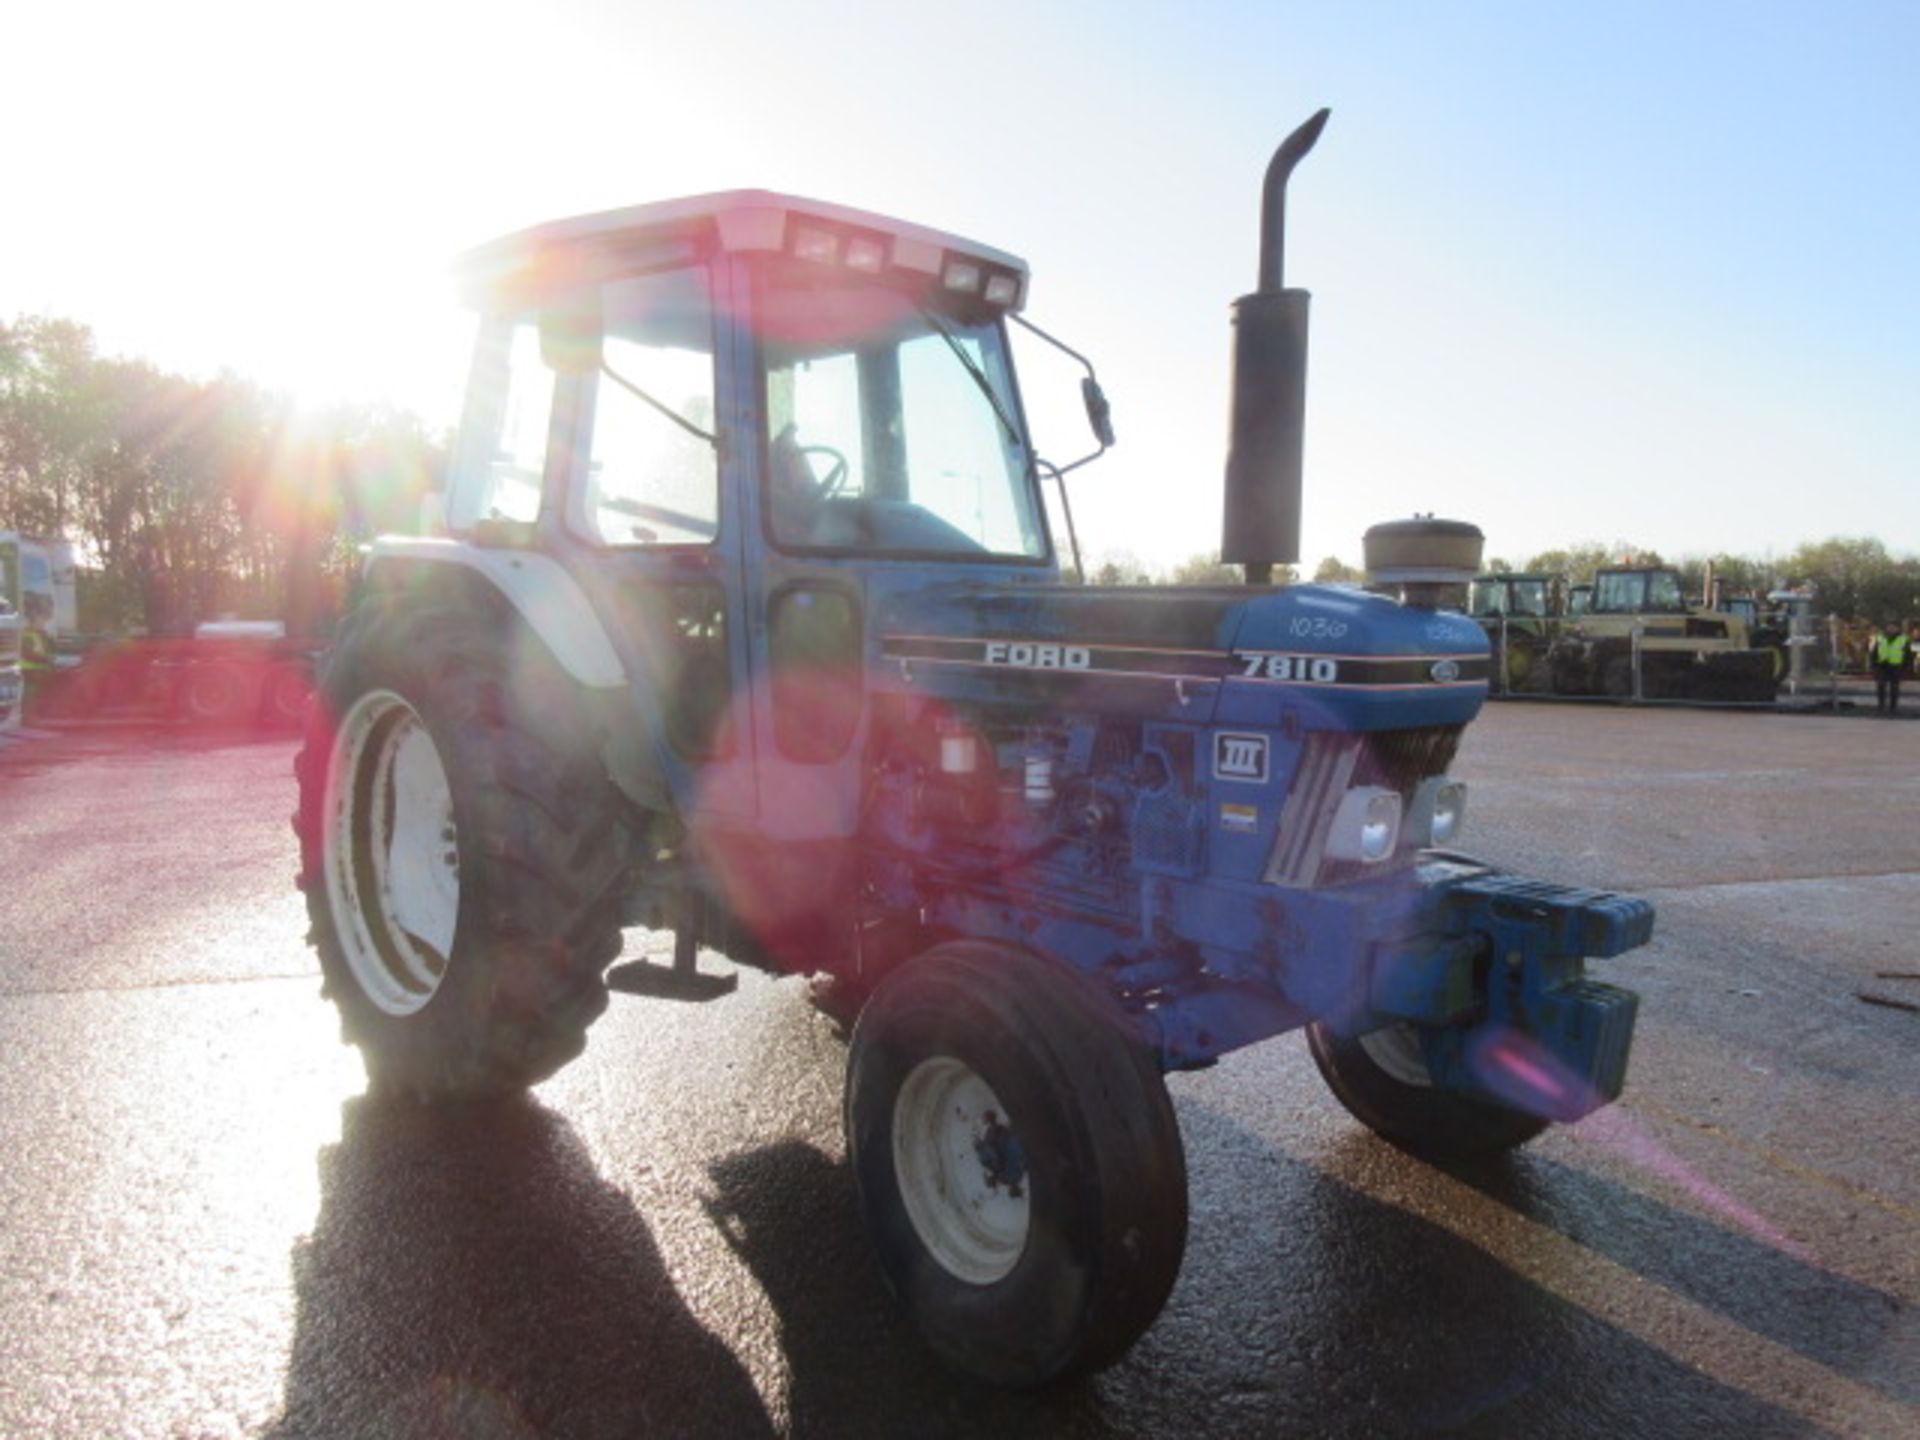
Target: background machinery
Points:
(1522, 615)
(1639, 638)
(221, 672)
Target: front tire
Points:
(462, 854)
(1018, 1163)
(1382, 1079)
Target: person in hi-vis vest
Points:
(1891, 654)
(36, 649)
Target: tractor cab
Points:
(1515, 597)
(749, 370)
(744, 425)
(1639, 590)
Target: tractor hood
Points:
(1326, 656)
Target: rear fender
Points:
(550, 603)
(544, 595)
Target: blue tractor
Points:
(746, 624)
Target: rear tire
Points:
(1520, 666)
(1616, 678)
(1018, 1162)
(1382, 1080)
(213, 692)
(462, 853)
(284, 698)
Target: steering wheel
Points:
(836, 476)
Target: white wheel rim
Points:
(390, 853)
(961, 1171)
(1396, 1050)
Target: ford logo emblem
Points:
(1445, 671)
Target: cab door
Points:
(647, 506)
(594, 435)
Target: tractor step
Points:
(678, 981)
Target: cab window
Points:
(652, 474)
(890, 428)
(503, 450)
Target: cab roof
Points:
(584, 248)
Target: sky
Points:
(1635, 272)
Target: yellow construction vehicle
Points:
(1640, 639)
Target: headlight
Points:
(1439, 810)
(1366, 827)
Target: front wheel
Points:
(1017, 1160)
(1382, 1079)
(461, 852)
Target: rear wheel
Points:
(1616, 678)
(1382, 1079)
(1018, 1162)
(283, 703)
(461, 852)
(213, 692)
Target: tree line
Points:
(190, 499)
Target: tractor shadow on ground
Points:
(1309, 1308)
(1304, 1308)
(471, 1274)
(855, 1364)
(1752, 1280)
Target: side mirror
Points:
(570, 335)
(1099, 412)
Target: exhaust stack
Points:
(1261, 523)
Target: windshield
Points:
(1488, 597)
(889, 430)
(1509, 597)
(1635, 591)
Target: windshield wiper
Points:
(675, 416)
(978, 375)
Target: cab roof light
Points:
(962, 275)
(812, 243)
(1002, 289)
(866, 254)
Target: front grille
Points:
(1401, 759)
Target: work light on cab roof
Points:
(567, 253)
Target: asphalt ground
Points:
(207, 1230)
